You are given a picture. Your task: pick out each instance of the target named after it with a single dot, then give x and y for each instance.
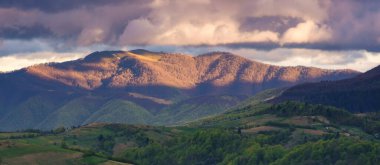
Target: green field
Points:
(257, 133)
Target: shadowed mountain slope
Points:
(358, 94)
(49, 95)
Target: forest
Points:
(284, 133)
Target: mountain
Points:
(357, 94)
(139, 87)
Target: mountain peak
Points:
(223, 55)
(102, 54)
(143, 52)
(140, 54)
(219, 53)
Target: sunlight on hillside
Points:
(146, 57)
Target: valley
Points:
(115, 108)
(189, 82)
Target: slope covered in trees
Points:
(171, 87)
(358, 94)
(259, 133)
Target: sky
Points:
(333, 34)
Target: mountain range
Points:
(140, 87)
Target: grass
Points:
(72, 113)
(45, 158)
(233, 118)
(17, 148)
(40, 150)
(93, 160)
(118, 139)
(7, 135)
(196, 108)
(260, 129)
(85, 137)
(154, 99)
(254, 119)
(120, 111)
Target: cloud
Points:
(220, 23)
(319, 24)
(91, 35)
(330, 33)
(138, 31)
(24, 47)
(144, 31)
(18, 61)
(56, 5)
(8, 47)
(307, 32)
(70, 26)
(360, 60)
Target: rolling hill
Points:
(140, 87)
(255, 133)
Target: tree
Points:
(239, 130)
(63, 145)
(100, 138)
(337, 135)
(59, 130)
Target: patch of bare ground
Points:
(6, 144)
(313, 132)
(154, 99)
(94, 125)
(306, 120)
(261, 129)
(111, 162)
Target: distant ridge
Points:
(357, 94)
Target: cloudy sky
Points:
(323, 33)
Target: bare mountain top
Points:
(119, 69)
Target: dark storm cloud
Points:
(76, 24)
(25, 32)
(56, 5)
(272, 23)
(373, 47)
(260, 46)
(261, 24)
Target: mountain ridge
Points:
(357, 94)
(142, 80)
(155, 68)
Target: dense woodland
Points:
(358, 94)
